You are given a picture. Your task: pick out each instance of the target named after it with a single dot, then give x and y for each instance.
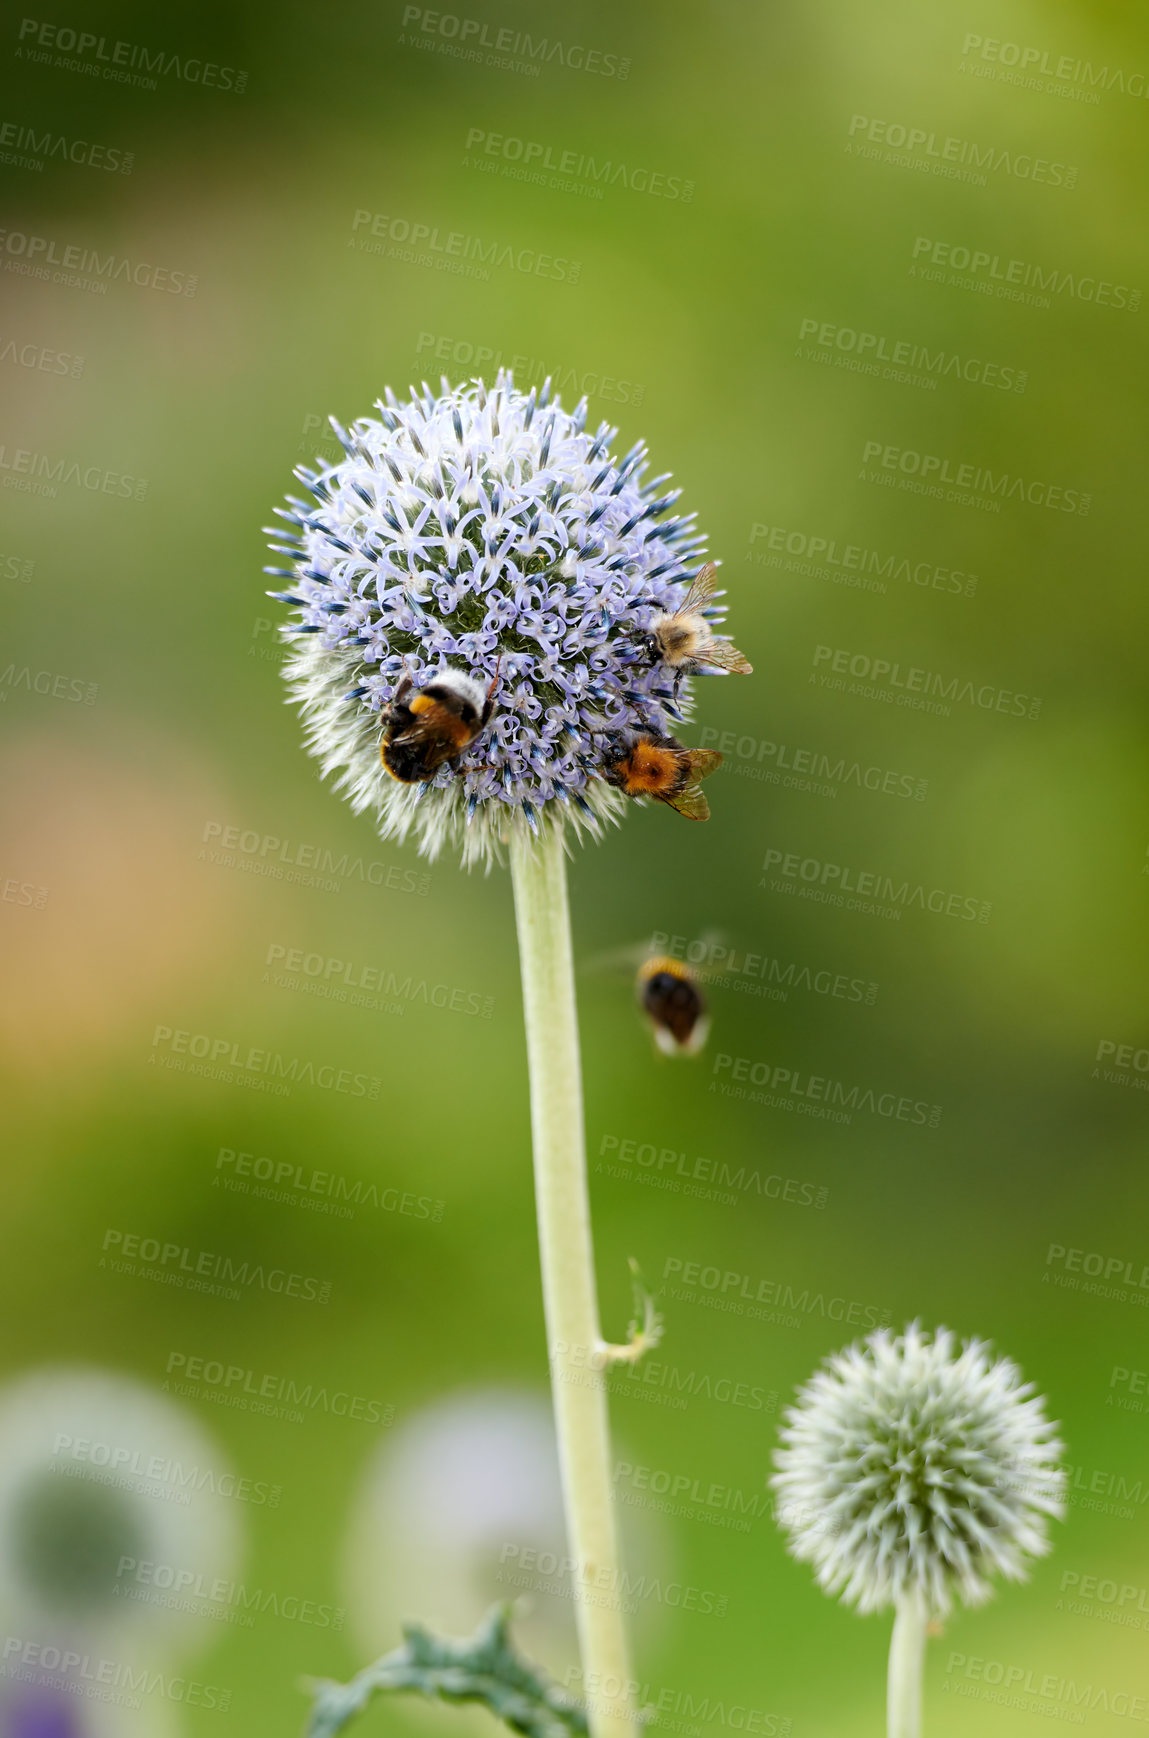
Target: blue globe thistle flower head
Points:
(487, 532)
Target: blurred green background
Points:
(118, 808)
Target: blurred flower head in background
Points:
(460, 1508)
(98, 1476)
(484, 531)
(912, 1469)
(444, 1495)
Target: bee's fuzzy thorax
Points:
(476, 530)
(458, 683)
(652, 766)
(662, 963)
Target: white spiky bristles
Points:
(915, 1470)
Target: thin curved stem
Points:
(566, 1254)
(907, 1659)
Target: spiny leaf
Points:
(485, 1668)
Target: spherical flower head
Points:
(485, 532)
(73, 1528)
(914, 1470)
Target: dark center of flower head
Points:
(68, 1538)
(487, 531)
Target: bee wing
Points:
(691, 802)
(724, 656)
(702, 589)
(703, 761)
(618, 961)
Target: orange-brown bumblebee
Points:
(648, 764)
(671, 999)
(685, 640)
(426, 728)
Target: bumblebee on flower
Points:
(490, 618)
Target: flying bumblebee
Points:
(671, 998)
(429, 727)
(648, 764)
(685, 640)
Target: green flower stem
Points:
(907, 1657)
(538, 874)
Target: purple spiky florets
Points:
(481, 525)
